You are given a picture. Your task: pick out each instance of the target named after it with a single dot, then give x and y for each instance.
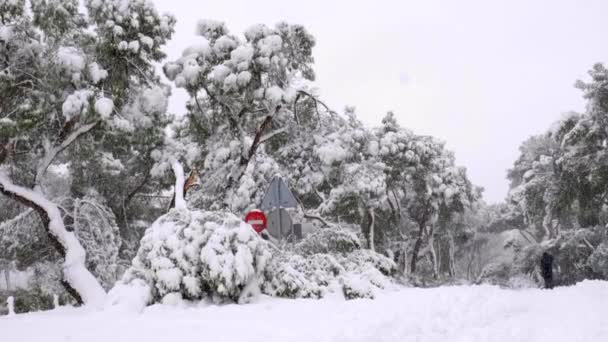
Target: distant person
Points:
(546, 267)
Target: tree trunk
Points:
(547, 227)
(451, 259)
(78, 281)
(372, 219)
(434, 260)
(7, 276)
(246, 156)
(178, 193)
(416, 250)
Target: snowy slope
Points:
(467, 313)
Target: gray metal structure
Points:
(279, 223)
(277, 198)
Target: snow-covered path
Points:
(466, 313)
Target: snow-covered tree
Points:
(66, 76)
(244, 93)
(558, 187)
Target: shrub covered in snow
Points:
(199, 254)
(328, 261)
(497, 273)
(193, 255)
(295, 276)
(578, 254)
(330, 240)
(573, 251)
(599, 260)
(365, 257)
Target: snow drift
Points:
(463, 313)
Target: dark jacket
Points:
(546, 265)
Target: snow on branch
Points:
(52, 152)
(178, 170)
(315, 100)
(270, 135)
(75, 273)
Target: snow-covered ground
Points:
(464, 313)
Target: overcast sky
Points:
(481, 75)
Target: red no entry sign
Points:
(257, 220)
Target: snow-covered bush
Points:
(329, 240)
(191, 255)
(573, 251)
(329, 260)
(296, 276)
(599, 260)
(522, 281)
(495, 274)
(366, 271)
(363, 284)
(527, 262)
(199, 254)
(578, 254)
(353, 261)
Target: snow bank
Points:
(467, 313)
(129, 297)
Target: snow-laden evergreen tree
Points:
(243, 93)
(425, 194)
(253, 113)
(559, 189)
(68, 76)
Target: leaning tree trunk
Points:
(78, 281)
